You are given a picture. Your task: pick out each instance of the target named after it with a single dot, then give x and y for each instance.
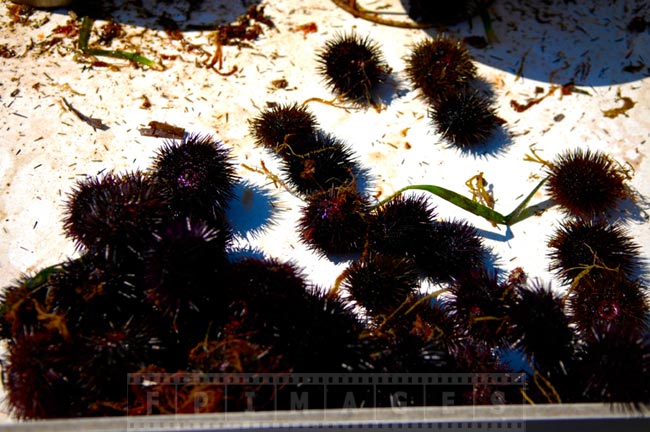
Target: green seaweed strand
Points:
(518, 214)
(84, 36)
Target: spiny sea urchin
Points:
(464, 118)
(107, 354)
(197, 176)
(401, 226)
(182, 264)
(264, 283)
(586, 245)
(353, 66)
(479, 305)
(114, 214)
(585, 183)
(439, 66)
(282, 126)
(272, 303)
(608, 301)
(40, 381)
(92, 289)
(536, 313)
(381, 283)
(452, 248)
(334, 221)
(615, 367)
(324, 163)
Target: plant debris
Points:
(95, 123)
(566, 89)
(246, 28)
(307, 28)
(162, 130)
(6, 52)
(628, 104)
(84, 36)
(110, 31)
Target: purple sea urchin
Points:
(196, 175)
(110, 352)
(615, 367)
(585, 183)
(381, 283)
(452, 249)
(535, 314)
(40, 381)
(353, 66)
(283, 125)
(478, 304)
(401, 226)
(439, 66)
(251, 279)
(274, 305)
(578, 245)
(465, 118)
(114, 213)
(608, 301)
(181, 265)
(325, 163)
(334, 221)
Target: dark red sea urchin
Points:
(109, 353)
(401, 226)
(451, 249)
(114, 213)
(586, 184)
(182, 264)
(615, 368)
(334, 221)
(283, 126)
(274, 306)
(479, 305)
(325, 163)
(197, 176)
(40, 382)
(607, 302)
(381, 283)
(578, 245)
(465, 118)
(353, 66)
(536, 313)
(439, 66)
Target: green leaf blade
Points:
(462, 202)
(522, 212)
